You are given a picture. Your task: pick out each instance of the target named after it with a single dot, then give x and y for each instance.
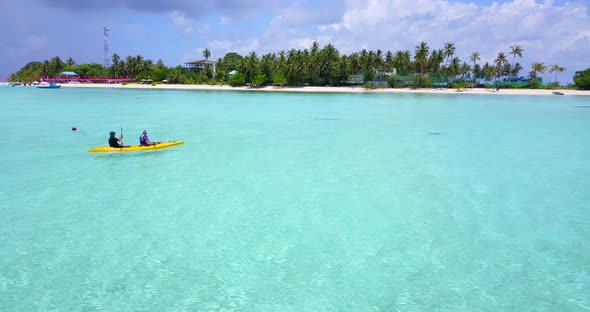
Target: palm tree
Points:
(436, 58)
(282, 60)
(454, 67)
(175, 75)
(117, 66)
(141, 64)
(448, 52)
(133, 66)
(45, 68)
(402, 62)
(250, 66)
(465, 69)
(354, 63)
(56, 65)
(206, 55)
(342, 71)
(421, 59)
(294, 67)
(378, 61)
(516, 69)
(366, 65)
(500, 63)
(328, 65)
(537, 67)
(488, 71)
(267, 64)
(557, 69)
(389, 61)
(515, 50)
(475, 56)
(313, 63)
(70, 62)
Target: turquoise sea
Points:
(294, 202)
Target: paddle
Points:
(122, 135)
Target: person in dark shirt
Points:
(114, 141)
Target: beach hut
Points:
(67, 76)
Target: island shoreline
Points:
(309, 89)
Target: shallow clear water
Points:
(294, 202)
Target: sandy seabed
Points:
(329, 89)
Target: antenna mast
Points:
(106, 47)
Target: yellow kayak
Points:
(135, 148)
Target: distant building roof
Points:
(200, 62)
(69, 74)
(233, 72)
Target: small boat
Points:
(557, 93)
(51, 85)
(135, 148)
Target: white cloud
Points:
(225, 20)
(182, 23)
(204, 28)
(242, 47)
(221, 45)
(196, 54)
(36, 41)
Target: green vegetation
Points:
(582, 79)
(237, 80)
(319, 66)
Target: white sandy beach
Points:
(329, 89)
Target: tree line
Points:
(318, 66)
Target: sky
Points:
(176, 31)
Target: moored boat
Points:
(51, 85)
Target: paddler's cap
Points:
(112, 133)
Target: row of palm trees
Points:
(131, 66)
(317, 66)
(325, 66)
(55, 65)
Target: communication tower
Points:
(106, 47)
